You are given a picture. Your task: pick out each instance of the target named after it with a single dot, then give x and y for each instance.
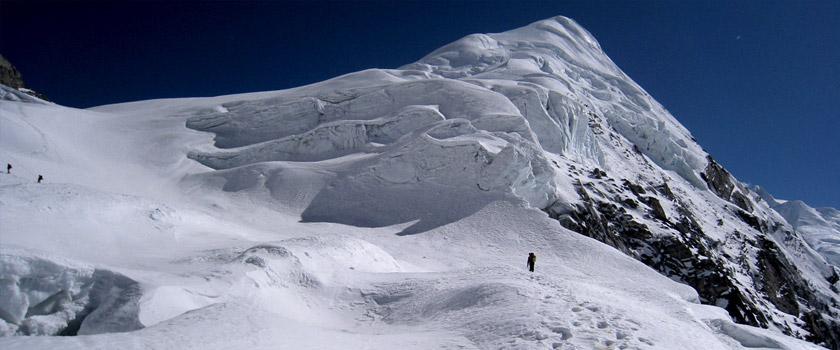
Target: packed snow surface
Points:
(381, 209)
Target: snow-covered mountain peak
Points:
(403, 201)
(561, 34)
(555, 62)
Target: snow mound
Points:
(274, 266)
(328, 257)
(19, 95)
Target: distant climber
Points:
(8, 168)
(40, 178)
(532, 260)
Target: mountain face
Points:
(819, 226)
(538, 118)
(543, 113)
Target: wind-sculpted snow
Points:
(243, 123)
(437, 132)
(558, 56)
(43, 297)
(326, 141)
(394, 208)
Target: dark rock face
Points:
(779, 277)
(823, 331)
(751, 220)
(708, 276)
(723, 185)
(670, 256)
(741, 201)
(766, 280)
(656, 208)
(718, 179)
(787, 290)
(9, 75)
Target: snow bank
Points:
(15, 95)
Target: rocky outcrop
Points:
(822, 329)
(741, 200)
(718, 179)
(780, 280)
(685, 258)
(721, 182)
(749, 275)
(9, 75)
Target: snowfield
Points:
(383, 209)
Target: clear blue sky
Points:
(757, 82)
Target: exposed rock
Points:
(748, 274)
(722, 183)
(656, 208)
(635, 188)
(822, 330)
(9, 75)
(718, 179)
(630, 202)
(751, 220)
(779, 277)
(708, 276)
(665, 190)
(687, 260)
(742, 201)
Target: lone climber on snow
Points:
(532, 260)
(40, 178)
(8, 168)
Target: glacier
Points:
(395, 207)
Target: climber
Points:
(532, 260)
(40, 178)
(8, 168)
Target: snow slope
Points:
(388, 208)
(819, 226)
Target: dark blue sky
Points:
(757, 82)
